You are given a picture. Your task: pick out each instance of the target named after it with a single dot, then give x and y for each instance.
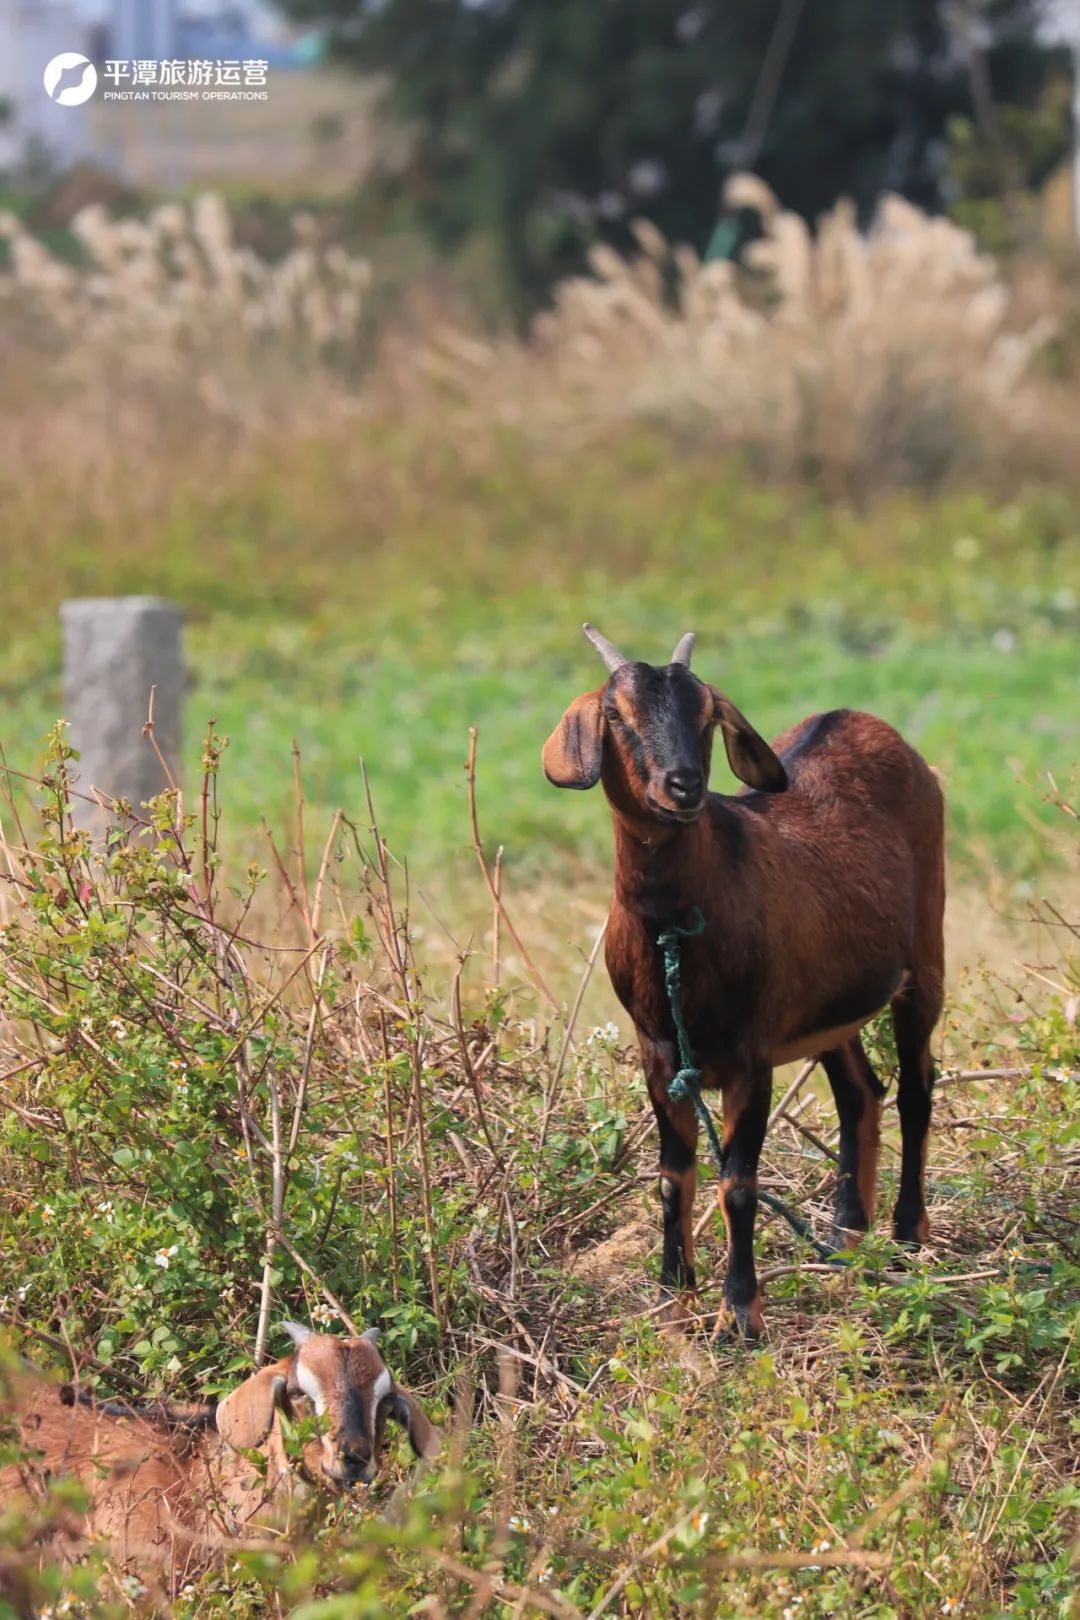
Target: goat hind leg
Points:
(857, 1092)
(914, 1016)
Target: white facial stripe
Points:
(310, 1386)
(379, 1391)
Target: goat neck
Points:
(659, 869)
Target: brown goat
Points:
(166, 1486)
(822, 890)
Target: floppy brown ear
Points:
(245, 1417)
(750, 757)
(424, 1437)
(574, 752)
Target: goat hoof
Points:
(680, 1311)
(847, 1234)
(745, 1322)
(911, 1231)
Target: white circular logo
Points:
(70, 79)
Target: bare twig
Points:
(478, 848)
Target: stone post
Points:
(116, 649)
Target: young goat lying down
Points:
(167, 1485)
(822, 891)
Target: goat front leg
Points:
(747, 1100)
(678, 1126)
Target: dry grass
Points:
(901, 356)
(167, 327)
(895, 357)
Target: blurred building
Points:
(147, 30)
(32, 32)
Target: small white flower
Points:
(117, 1029)
(138, 1288)
(516, 1522)
(603, 1035)
(131, 1586)
(164, 1256)
(951, 1605)
(22, 1291)
(324, 1314)
(105, 1209)
(86, 1025)
(47, 1212)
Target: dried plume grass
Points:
(858, 361)
(891, 357)
(169, 315)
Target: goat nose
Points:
(684, 785)
(359, 1470)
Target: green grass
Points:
(380, 605)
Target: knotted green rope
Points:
(686, 1085)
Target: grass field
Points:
(905, 1442)
(381, 604)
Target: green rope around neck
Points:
(686, 1085)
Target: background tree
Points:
(548, 123)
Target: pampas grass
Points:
(856, 360)
(172, 314)
(853, 361)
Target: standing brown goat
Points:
(822, 891)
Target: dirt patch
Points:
(618, 1258)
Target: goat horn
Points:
(682, 652)
(611, 655)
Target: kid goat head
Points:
(349, 1386)
(821, 888)
(170, 1487)
(648, 733)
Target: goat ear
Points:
(372, 1335)
(574, 752)
(298, 1333)
(245, 1417)
(749, 755)
(424, 1437)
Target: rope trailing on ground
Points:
(686, 1085)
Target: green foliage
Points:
(162, 1056)
(902, 1446)
(996, 173)
(548, 125)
